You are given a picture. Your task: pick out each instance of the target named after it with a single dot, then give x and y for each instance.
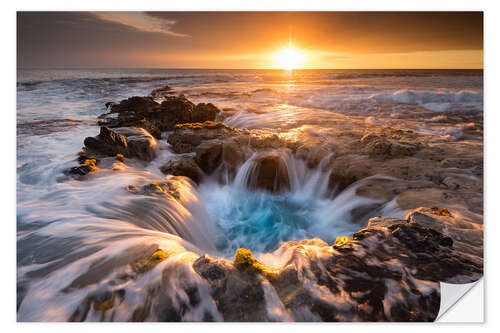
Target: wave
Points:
(438, 101)
(134, 80)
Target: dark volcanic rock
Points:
(162, 92)
(177, 110)
(87, 165)
(203, 112)
(186, 137)
(270, 173)
(134, 104)
(378, 145)
(128, 141)
(209, 155)
(155, 117)
(233, 156)
(238, 294)
(466, 233)
(80, 170)
(389, 271)
(168, 188)
(183, 166)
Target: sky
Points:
(330, 40)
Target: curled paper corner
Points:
(461, 302)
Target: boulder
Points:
(209, 155)
(183, 166)
(176, 110)
(233, 155)
(203, 112)
(128, 141)
(134, 104)
(270, 172)
(239, 295)
(186, 137)
(145, 112)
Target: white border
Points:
(8, 140)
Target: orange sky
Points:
(250, 39)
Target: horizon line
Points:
(278, 69)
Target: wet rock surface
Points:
(183, 166)
(157, 117)
(186, 137)
(209, 155)
(388, 271)
(374, 146)
(169, 188)
(269, 173)
(87, 165)
(128, 141)
(162, 92)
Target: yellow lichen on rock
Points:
(119, 157)
(244, 259)
(146, 263)
(340, 241)
(91, 162)
(206, 124)
(159, 255)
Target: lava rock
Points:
(378, 145)
(168, 188)
(145, 112)
(203, 112)
(270, 173)
(128, 141)
(162, 92)
(183, 166)
(389, 271)
(209, 155)
(239, 295)
(186, 137)
(134, 104)
(233, 155)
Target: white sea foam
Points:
(434, 100)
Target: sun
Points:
(289, 58)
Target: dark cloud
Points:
(73, 39)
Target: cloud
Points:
(141, 21)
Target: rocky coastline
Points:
(387, 271)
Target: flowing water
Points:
(72, 235)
